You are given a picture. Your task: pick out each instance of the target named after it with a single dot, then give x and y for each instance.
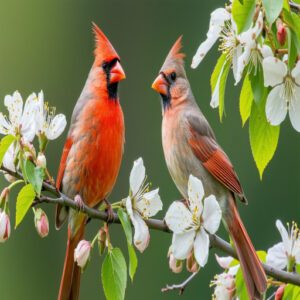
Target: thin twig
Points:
(215, 241)
(294, 5)
(181, 287)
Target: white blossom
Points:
(224, 287)
(287, 251)
(192, 224)
(218, 18)
(47, 123)
(252, 51)
(285, 95)
(141, 204)
(21, 120)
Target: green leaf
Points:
(223, 81)
(133, 261)
(263, 137)
(35, 175)
(241, 290)
(273, 9)
(243, 14)
(218, 80)
(123, 216)
(114, 275)
(257, 84)
(246, 100)
(216, 72)
(293, 21)
(4, 145)
(292, 49)
(24, 201)
(262, 255)
(291, 292)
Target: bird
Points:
(190, 147)
(92, 153)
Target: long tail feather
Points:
(70, 281)
(254, 275)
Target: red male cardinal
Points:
(190, 147)
(92, 153)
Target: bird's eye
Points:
(173, 76)
(104, 65)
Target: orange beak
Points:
(117, 73)
(160, 85)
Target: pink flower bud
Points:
(41, 160)
(41, 223)
(191, 263)
(4, 226)
(4, 197)
(281, 33)
(82, 253)
(280, 292)
(175, 264)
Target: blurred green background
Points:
(48, 45)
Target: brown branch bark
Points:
(215, 241)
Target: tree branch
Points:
(181, 287)
(215, 241)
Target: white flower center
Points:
(228, 39)
(288, 91)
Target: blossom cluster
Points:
(23, 123)
(249, 52)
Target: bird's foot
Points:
(79, 202)
(110, 212)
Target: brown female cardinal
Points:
(190, 147)
(92, 153)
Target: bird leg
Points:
(79, 202)
(110, 212)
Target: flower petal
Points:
(150, 204)
(276, 256)
(178, 217)
(182, 244)
(40, 114)
(274, 71)
(14, 105)
(224, 261)
(284, 236)
(242, 61)
(9, 157)
(137, 176)
(128, 204)
(212, 214)
(141, 232)
(4, 125)
(215, 98)
(265, 51)
(196, 194)
(217, 20)
(201, 247)
(56, 127)
(237, 52)
(296, 251)
(276, 108)
(294, 109)
(296, 72)
(28, 120)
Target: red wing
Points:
(63, 162)
(215, 161)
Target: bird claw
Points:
(79, 202)
(110, 212)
